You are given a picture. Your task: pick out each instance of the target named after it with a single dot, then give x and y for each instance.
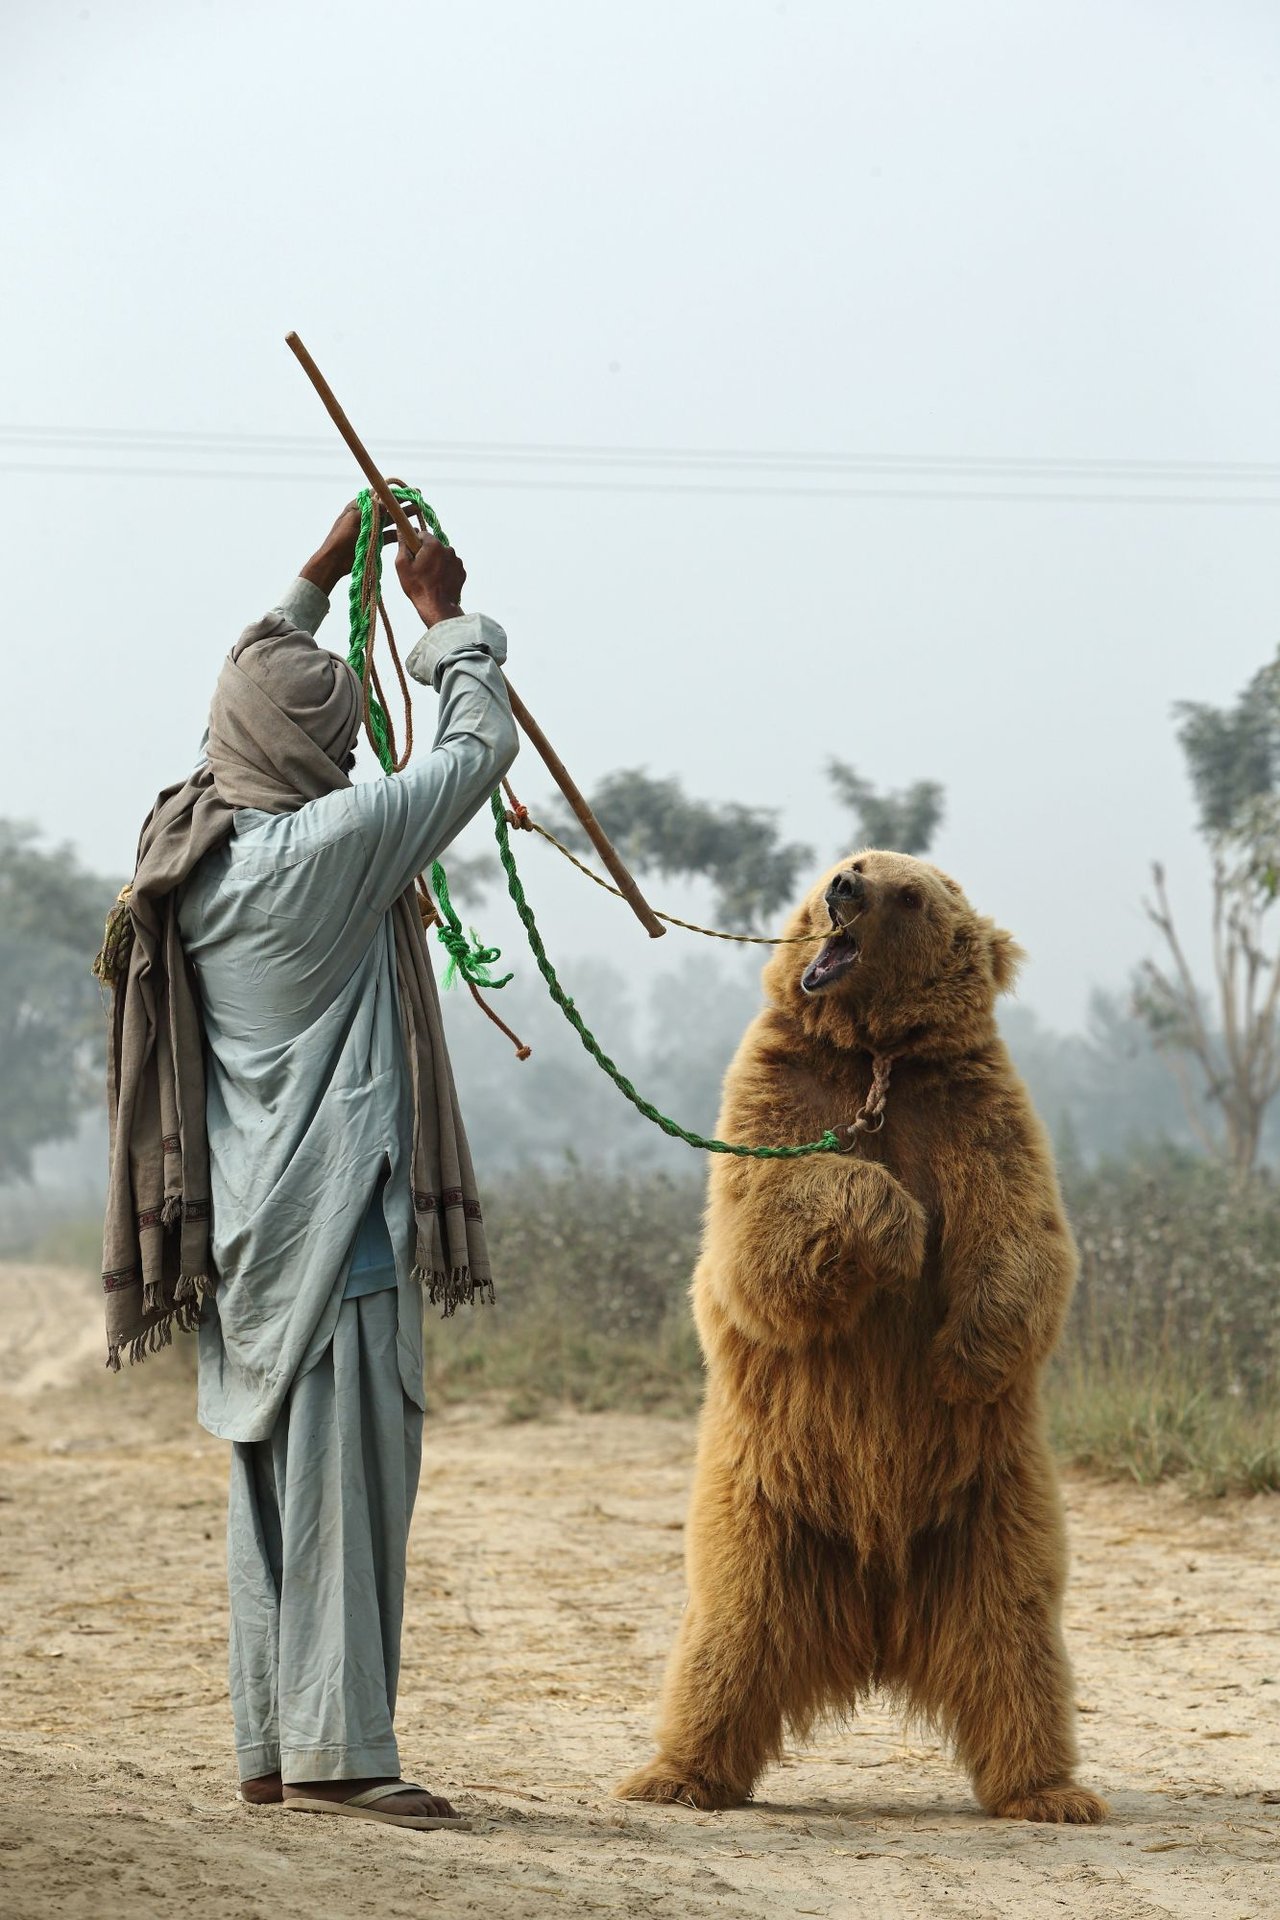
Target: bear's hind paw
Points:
(670, 1786)
(1063, 1806)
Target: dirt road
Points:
(545, 1583)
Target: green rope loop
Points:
(829, 1143)
(467, 957)
(362, 613)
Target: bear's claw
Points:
(676, 1787)
(1064, 1806)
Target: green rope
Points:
(466, 956)
(829, 1143)
(469, 957)
(362, 612)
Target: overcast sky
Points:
(917, 237)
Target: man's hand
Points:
(333, 559)
(432, 579)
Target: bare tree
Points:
(1224, 1048)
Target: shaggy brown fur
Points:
(874, 1502)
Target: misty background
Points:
(891, 382)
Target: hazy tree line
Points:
(51, 1024)
(1104, 1092)
(1168, 1059)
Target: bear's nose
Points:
(848, 887)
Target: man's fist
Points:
(432, 579)
(334, 557)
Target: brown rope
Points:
(519, 816)
(523, 1050)
(375, 608)
(405, 699)
(871, 1114)
(431, 918)
(870, 1117)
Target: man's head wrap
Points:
(255, 762)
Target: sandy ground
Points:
(545, 1583)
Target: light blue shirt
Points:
(288, 928)
(372, 1266)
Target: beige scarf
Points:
(285, 714)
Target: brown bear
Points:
(874, 1503)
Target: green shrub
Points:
(1179, 1273)
(1170, 1362)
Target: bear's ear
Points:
(1006, 959)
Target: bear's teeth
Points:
(837, 953)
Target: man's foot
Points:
(430, 1806)
(266, 1791)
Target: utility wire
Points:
(129, 440)
(171, 454)
(1026, 496)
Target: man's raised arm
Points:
(410, 818)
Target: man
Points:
(289, 1170)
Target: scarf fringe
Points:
(171, 1211)
(158, 1336)
(192, 1290)
(189, 1296)
(453, 1288)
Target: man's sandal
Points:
(364, 1806)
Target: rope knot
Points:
(469, 958)
(466, 957)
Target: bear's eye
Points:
(857, 866)
(911, 897)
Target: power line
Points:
(746, 459)
(1030, 496)
(728, 473)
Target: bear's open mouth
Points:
(831, 962)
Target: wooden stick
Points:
(555, 765)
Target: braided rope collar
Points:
(870, 1116)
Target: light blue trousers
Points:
(317, 1526)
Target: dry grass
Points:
(1148, 1423)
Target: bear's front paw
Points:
(671, 1786)
(888, 1222)
(959, 1377)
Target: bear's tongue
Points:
(833, 959)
